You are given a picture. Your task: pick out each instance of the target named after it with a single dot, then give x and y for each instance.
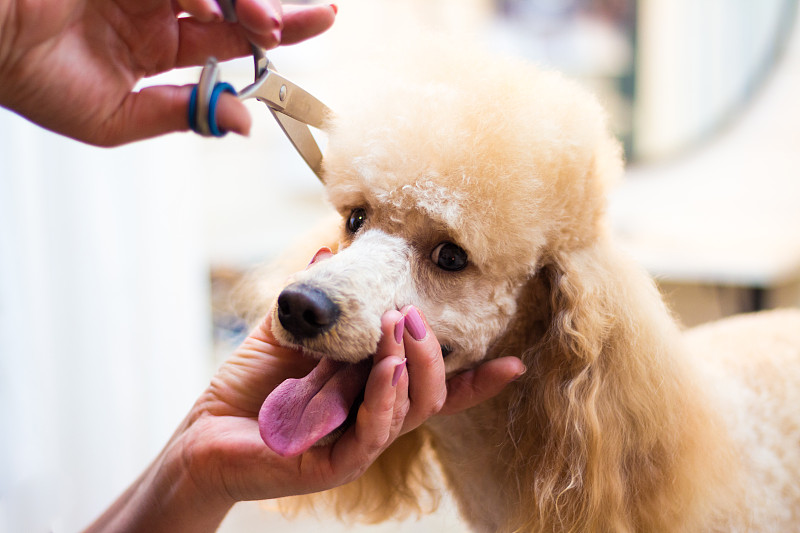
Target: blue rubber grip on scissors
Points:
(212, 107)
(213, 128)
(193, 110)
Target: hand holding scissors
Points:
(77, 75)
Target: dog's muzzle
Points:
(334, 307)
(305, 311)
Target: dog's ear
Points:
(580, 303)
(556, 407)
(603, 410)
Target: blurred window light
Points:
(670, 73)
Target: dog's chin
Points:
(329, 344)
(315, 349)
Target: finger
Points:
(300, 24)
(262, 333)
(372, 431)
(232, 115)
(470, 388)
(163, 109)
(202, 10)
(262, 21)
(297, 23)
(148, 113)
(391, 343)
(427, 389)
(199, 40)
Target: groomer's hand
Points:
(71, 65)
(217, 457)
(405, 387)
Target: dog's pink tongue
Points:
(299, 412)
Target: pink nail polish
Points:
(398, 330)
(414, 324)
(398, 372)
(335, 9)
(274, 13)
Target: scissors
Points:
(293, 107)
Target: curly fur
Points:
(619, 424)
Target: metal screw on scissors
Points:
(293, 107)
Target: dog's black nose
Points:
(305, 311)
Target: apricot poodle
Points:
(475, 188)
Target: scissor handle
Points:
(204, 97)
(293, 108)
(203, 101)
(228, 8)
(210, 119)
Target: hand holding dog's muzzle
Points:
(406, 386)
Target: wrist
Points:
(167, 497)
(7, 42)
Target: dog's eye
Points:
(449, 256)
(357, 218)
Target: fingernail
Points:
(274, 14)
(322, 253)
(414, 324)
(276, 36)
(335, 9)
(398, 330)
(398, 373)
(522, 373)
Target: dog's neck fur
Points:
(607, 431)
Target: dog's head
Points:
(454, 184)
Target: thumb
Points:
(472, 387)
(162, 109)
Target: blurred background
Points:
(109, 258)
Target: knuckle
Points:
(355, 473)
(431, 409)
(437, 404)
(372, 449)
(399, 417)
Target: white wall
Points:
(104, 321)
(697, 61)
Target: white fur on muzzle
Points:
(361, 282)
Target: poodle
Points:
(474, 188)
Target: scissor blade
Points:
(284, 96)
(303, 141)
